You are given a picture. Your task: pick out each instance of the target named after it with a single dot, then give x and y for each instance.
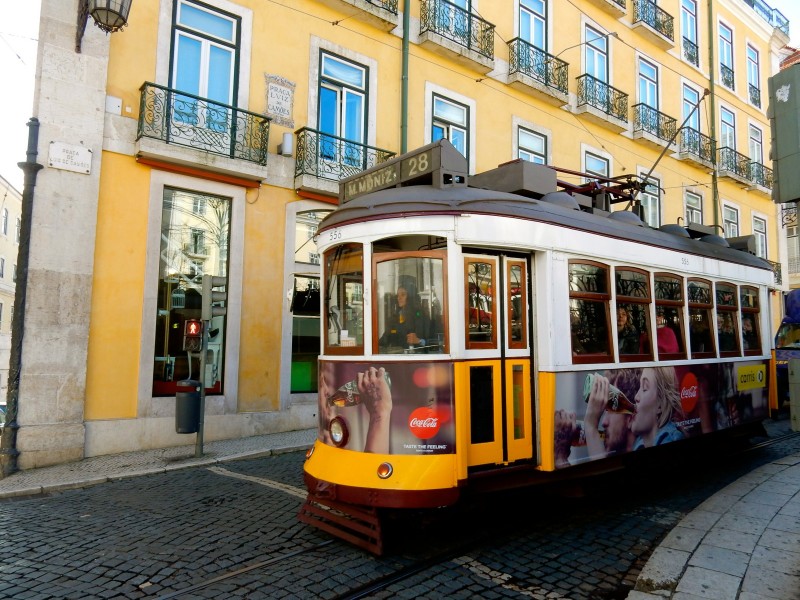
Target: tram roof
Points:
(423, 200)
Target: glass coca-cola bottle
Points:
(617, 401)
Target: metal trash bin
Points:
(187, 406)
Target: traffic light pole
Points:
(198, 445)
(209, 309)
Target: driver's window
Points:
(409, 304)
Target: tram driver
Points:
(407, 325)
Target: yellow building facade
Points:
(210, 138)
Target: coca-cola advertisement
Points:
(388, 408)
(613, 411)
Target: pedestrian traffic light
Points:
(212, 298)
(192, 335)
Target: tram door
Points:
(497, 381)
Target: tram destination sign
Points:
(425, 165)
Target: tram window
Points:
(751, 336)
(589, 312)
(480, 286)
(669, 316)
(518, 305)
(727, 319)
(701, 342)
(408, 299)
(633, 314)
(344, 300)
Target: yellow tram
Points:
(510, 326)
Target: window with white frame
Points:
(753, 76)
(650, 198)
(691, 98)
(533, 22)
(726, 55)
(450, 122)
(342, 110)
(756, 144)
(730, 221)
(595, 164)
(4, 223)
(694, 208)
(648, 83)
(531, 146)
(689, 31)
(19, 228)
(793, 248)
(596, 54)
(760, 233)
(2, 267)
(727, 128)
(205, 54)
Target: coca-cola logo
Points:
(424, 423)
(689, 393)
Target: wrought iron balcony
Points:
(734, 163)
(726, 76)
(600, 95)
(755, 95)
(183, 119)
(647, 119)
(620, 3)
(332, 157)
(655, 17)
(538, 64)
(691, 52)
(761, 175)
(458, 25)
(390, 5)
(771, 15)
(695, 143)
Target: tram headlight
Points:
(309, 452)
(385, 470)
(338, 430)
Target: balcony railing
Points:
(184, 119)
(650, 120)
(603, 97)
(726, 75)
(755, 95)
(734, 162)
(332, 157)
(691, 52)
(693, 142)
(651, 14)
(761, 175)
(771, 15)
(458, 25)
(538, 64)
(620, 3)
(390, 5)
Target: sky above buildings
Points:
(19, 24)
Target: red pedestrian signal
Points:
(192, 335)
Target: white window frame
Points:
(726, 222)
(431, 89)
(762, 249)
(687, 209)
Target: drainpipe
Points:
(713, 107)
(404, 81)
(8, 442)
